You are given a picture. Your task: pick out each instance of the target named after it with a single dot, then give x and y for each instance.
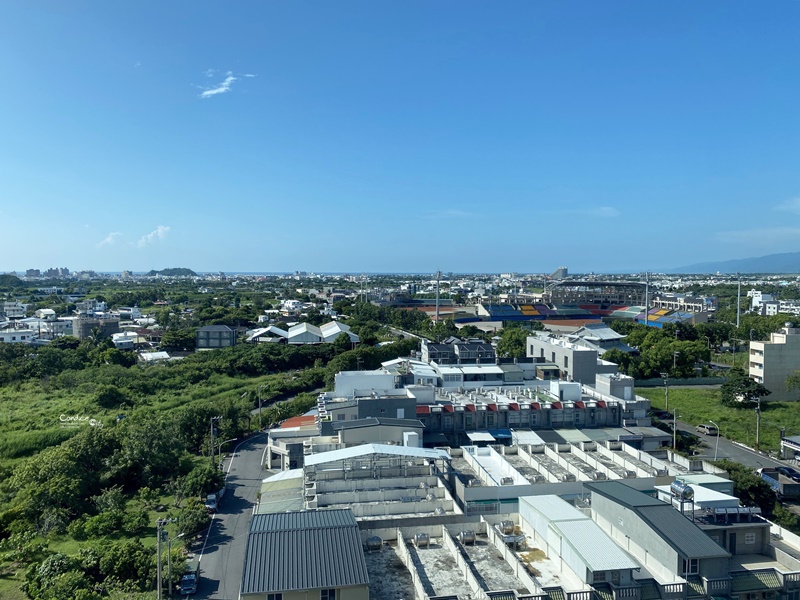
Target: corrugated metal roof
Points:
(554, 508)
(303, 551)
(365, 449)
(623, 494)
(679, 532)
(598, 551)
(376, 421)
(752, 581)
(310, 519)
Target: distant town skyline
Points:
(398, 137)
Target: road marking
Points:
(214, 516)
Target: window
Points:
(447, 422)
(327, 595)
(566, 362)
(749, 538)
(691, 566)
(599, 576)
(278, 596)
(341, 417)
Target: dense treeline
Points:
(99, 483)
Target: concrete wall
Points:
(379, 434)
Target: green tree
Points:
(793, 381)
(342, 343)
(178, 340)
(739, 391)
(749, 487)
(513, 342)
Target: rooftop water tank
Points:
(422, 540)
(681, 490)
(466, 537)
(374, 543)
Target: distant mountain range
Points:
(788, 262)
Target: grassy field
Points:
(30, 413)
(701, 405)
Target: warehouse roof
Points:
(303, 551)
(367, 449)
(375, 421)
(680, 533)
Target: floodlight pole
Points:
(666, 391)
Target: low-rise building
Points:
(302, 555)
(212, 337)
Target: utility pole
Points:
(438, 278)
(159, 538)
(666, 391)
(738, 299)
(646, 299)
(758, 424)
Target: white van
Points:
(707, 429)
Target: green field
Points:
(701, 405)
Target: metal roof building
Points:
(304, 551)
(581, 544)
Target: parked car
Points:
(789, 472)
(707, 429)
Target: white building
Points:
(773, 361)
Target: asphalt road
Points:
(729, 450)
(222, 557)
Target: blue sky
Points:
(397, 136)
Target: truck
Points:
(188, 583)
(782, 485)
(213, 501)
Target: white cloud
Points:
(159, 233)
(109, 239)
(451, 213)
(792, 206)
(764, 236)
(221, 88)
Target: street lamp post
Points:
(260, 387)
(758, 424)
(675, 431)
(716, 446)
(169, 561)
(666, 391)
(220, 447)
(213, 420)
(675, 360)
(160, 523)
